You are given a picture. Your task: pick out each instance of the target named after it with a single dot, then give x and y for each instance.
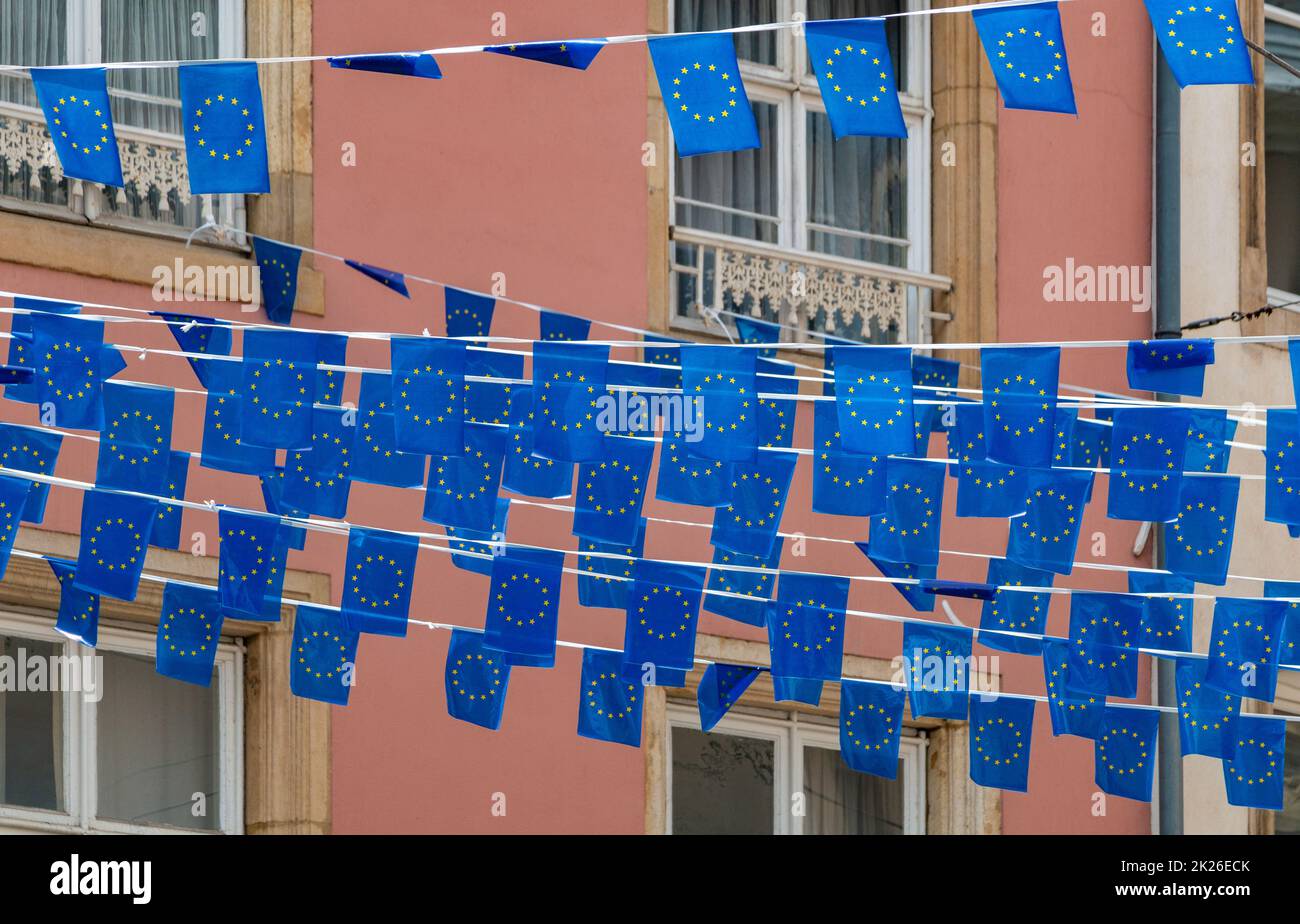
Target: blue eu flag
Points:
(526, 473)
(856, 74)
(699, 79)
(1289, 647)
(427, 399)
(574, 53)
(389, 279)
(188, 629)
(477, 679)
(748, 524)
(462, 489)
(929, 375)
(756, 584)
(1207, 441)
(78, 617)
(776, 416)
(909, 579)
(380, 572)
(606, 580)
(1200, 538)
(1071, 713)
(984, 488)
(805, 626)
(468, 314)
(752, 330)
(609, 707)
(1148, 447)
(721, 687)
(873, 393)
(1203, 45)
(323, 659)
(1048, 534)
(1001, 729)
(277, 274)
(686, 479)
(80, 122)
(223, 447)
(723, 381)
(317, 479)
(377, 459)
(908, 530)
(552, 325)
(135, 449)
(1015, 610)
(30, 450)
(663, 611)
(523, 606)
(279, 388)
(1207, 718)
(273, 497)
(13, 497)
(404, 64)
(1019, 388)
(1026, 50)
(1282, 463)
(1173, 366)
(68, 369)
(167, 525)
(845, 483)
(1255, 774)
(1124, 755)
(612, 492)
(474, 549)
(1244, 641)
(871, 725)
(1105, 633)
(1166, 621)
(489, 402)
(251, 565)
(225, 131)
(21, 348)
(568, 380)
(115, 531)
(937, 661)
(1090, 444)
(198, 334)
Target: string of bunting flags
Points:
(1012, 455)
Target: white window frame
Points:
(795, 91)
(84, 47)
(1286, 18)
(80, 730)
(790, 732)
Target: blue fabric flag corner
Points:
(873, 394)
(1282, 457)
(908, 530)
(568, 381)
(871, 726)
(1166, 621)
(1048, 534)
(526, 473)
(574, 53)
(1200, 538)
(609, 707)
(71, 380)
(602, 584)
(1026, 50)
(223, 447)
(225, 137)
(474, 549)
(1243, 652)
(467, 314)
(167, 525)
(403, 64)
(277, 274)
(937, 661)
(612, 492)
(1207, 441)
(1124, 755)
(843, 483)
(198, 334)
(1148, 448)
(115, 530)
(1001, 732)
(748, 524)
(1173, 366)
(552, 325)
(188, 629)
(251, 565)
(1105, 632)
(273, 497)
(663, 612)
(1207, 718)
(1203, 45)
(377, 459)
(805, 626)
(389, 279)
(756, 584)
(723, 382)
(915, 594)
(1020, 385)
(1015, 610)
(1071, 713)
(721, 687)
(699, 79)
(462, 490)
(753, 330)
(29, 450)
(322, 662)
(477, 679)
(428, 381)
(856, 74)
(1289, 646)
(1255, 775)
(685, 479)
(80, 121)
(380, 573)
(135, 449)
(523, 606)
(78, 617)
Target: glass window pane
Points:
(31, 727)
(1287, 821)
(158, 744)
(859, 9)
(858, 185)
(743, 183)
(722, 784)
(842, 801)
(709, 15)
(1282, 158)
(32, 32)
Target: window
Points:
(847, 207)
(145, 104)
(126, 752)
(1282, 151)
(782, 774)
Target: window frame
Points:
(791, 731)
(80, 730)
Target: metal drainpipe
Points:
(1167, 324)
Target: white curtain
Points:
(842, 801)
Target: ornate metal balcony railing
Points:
(804, 291)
